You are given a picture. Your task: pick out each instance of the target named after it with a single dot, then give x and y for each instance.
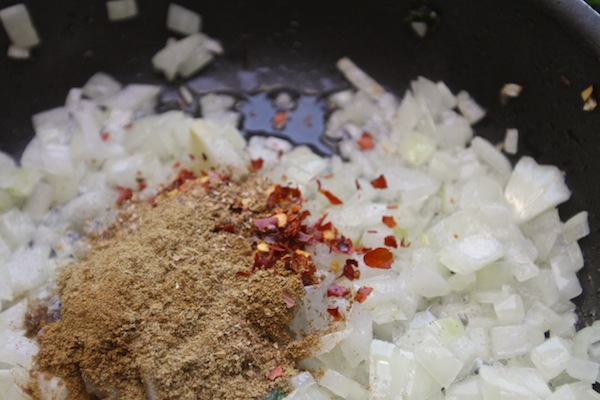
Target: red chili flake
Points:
(256, 164)
(276, 372)
(403, 243)
(279, 120)
(332, 199)
(105, 136)
(351, 269)
(288, 299)
(366, 141)
(124, 194)
(455, 236)
(389, 221)
(390, 241)
(182, 176)
(363, 293)
(357, 184)
(224, 228)
(362, 249)
(244, 273)
(141, 184)
(371, 231)
(177, 164)
(379, 258)
(335, 313)
(281, 194)
(128, 126)
(343, 245)
(392, 206)
(379, 183)
(337, 290)
(191, 156)
(266, 224)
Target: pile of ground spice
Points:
(167, 304)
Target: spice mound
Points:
(169, 303)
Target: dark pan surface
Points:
(478, 46)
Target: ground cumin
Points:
(159, 308)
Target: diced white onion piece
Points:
(212, 145)
(119, 10)
(420, 28)
(490, 155)
(511, 90)
(17, 23)
(39, 202)
(498, 382)
(510, 310)
(16, 228)
(514, 340)
(197, 60)
(182, 20)
(564, 392)
(28, 268)
(471, 253)
(577, 227)
(551, 357)
(17, 53)
(533, 189)
(170, 59)
(15, 349)
(342, 386)
(133, 97)
(439, 362)
(472, 111)
(583, 370)
(9, 388)
(511, 141)
(359, 78)
(356, 346)
(101, 86)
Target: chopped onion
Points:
(17, 24)
(17, 53)
(182, 20)
(119, 10)
(511, 141)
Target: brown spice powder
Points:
(158, 310)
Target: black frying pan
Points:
(478, 45)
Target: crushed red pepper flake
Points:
(336, 290)
(404, 243)
(389, 221)
(331, 197)
(351, 270)
(256, 164)
(379, 182)
(182, 176)
(390, 241)
(357, 184)
(105, 136)
(362, 249)
(141, 184)
(124, 194)
(379, 258)
(225, 228)
(366, 142)
(289, 299)
(363, 293)
(279, 120)
(335, 313)
(276, 372)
